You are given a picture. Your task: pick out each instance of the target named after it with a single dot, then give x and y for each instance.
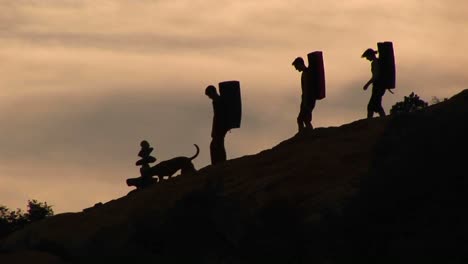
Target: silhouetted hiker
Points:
(219, 127)
(308, 97)
(378, 89)
(145, 178)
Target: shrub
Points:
(12, 220)
(409, 104)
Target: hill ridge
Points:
(318, 178)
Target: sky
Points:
(82, 82)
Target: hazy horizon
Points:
(83, 82)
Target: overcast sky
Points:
(84, 81)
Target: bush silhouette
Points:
(12, 220)
(409, 104)
(38, 211)
(436, 100)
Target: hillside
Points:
(385, 190)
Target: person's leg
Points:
(382, 112)
(379, 93)
(308, 115)
(371, 106)
(217, 149)
(300, 125)
(380, 109)
(222, 150)
(308, 119)
(213, 152)
(300, 122)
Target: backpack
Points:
(387, 64)
(232, 102)
(318, 74)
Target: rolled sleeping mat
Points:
(387, 64)
(318, 74)
(231, 97)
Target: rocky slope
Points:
(386, 190)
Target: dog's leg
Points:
(190, 168)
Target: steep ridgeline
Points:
(385, 190)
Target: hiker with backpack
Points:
(312, 87)
(378, 89)
(219, 127)
(226, 116)
(383, 75)
(304, 119)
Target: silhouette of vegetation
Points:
(12, 220)
(409, 104)
(436, 100)
(38, 211)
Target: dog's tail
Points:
(196, 154)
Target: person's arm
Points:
(375, 68)
(305, 97)
(368, 83)
(306, 88)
